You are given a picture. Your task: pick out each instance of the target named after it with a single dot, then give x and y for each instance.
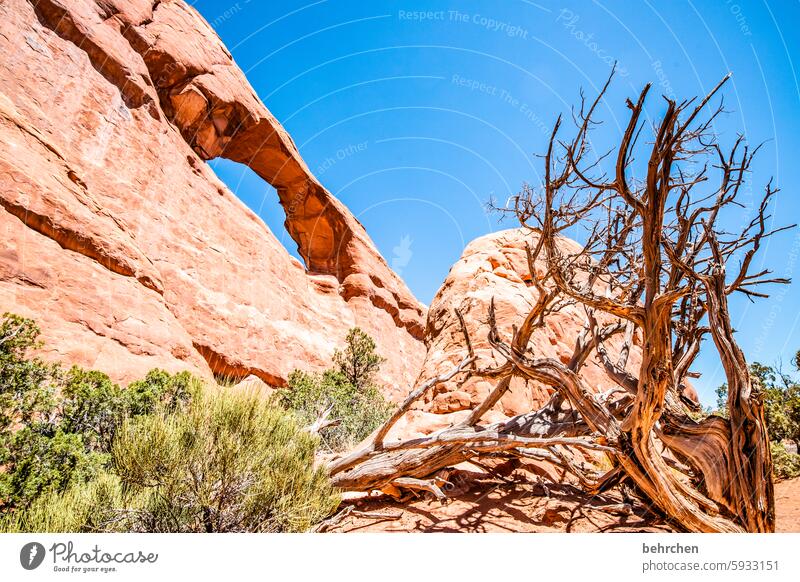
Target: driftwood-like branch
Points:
(351, 511)
(416, 395)
(323, 421)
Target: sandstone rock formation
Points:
(122, 243)
(494, 267)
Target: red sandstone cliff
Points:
(122, 243)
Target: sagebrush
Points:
(166, 454)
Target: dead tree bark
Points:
(653, 264)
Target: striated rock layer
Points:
(122, 243)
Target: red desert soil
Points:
(486, 505)
(787, 505)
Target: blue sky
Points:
(416, 113)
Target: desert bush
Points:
(56, 425)
(160, 389)
(36, 453)
(256, 463)
(785, 465)
(781, 392)
(26, 384)
(88, 506)
(36, 463)
(90, 405)
(357, 412)
(226, 462)
(80, 454)
(348, 390)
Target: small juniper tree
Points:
(345, 399)
(358, 361)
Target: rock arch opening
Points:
(260, 196)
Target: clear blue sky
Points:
(416, 120)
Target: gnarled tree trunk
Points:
(653, 264)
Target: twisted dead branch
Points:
(652, 267)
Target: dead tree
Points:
(653, 269)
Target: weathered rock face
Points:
(494, 267)
(122, 243)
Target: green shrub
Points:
(256, 462)
(38, 463)
(226, 462)
(36, 452)
(79, 453)
(91, 405)
(358, 362)
(27, 385)
(82, 507)
(57, 426)
(349, 391)
(68, 438)
(358, 411)
(785, 465)
(160, 389)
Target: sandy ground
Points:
(520, 506)
(787, 505)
